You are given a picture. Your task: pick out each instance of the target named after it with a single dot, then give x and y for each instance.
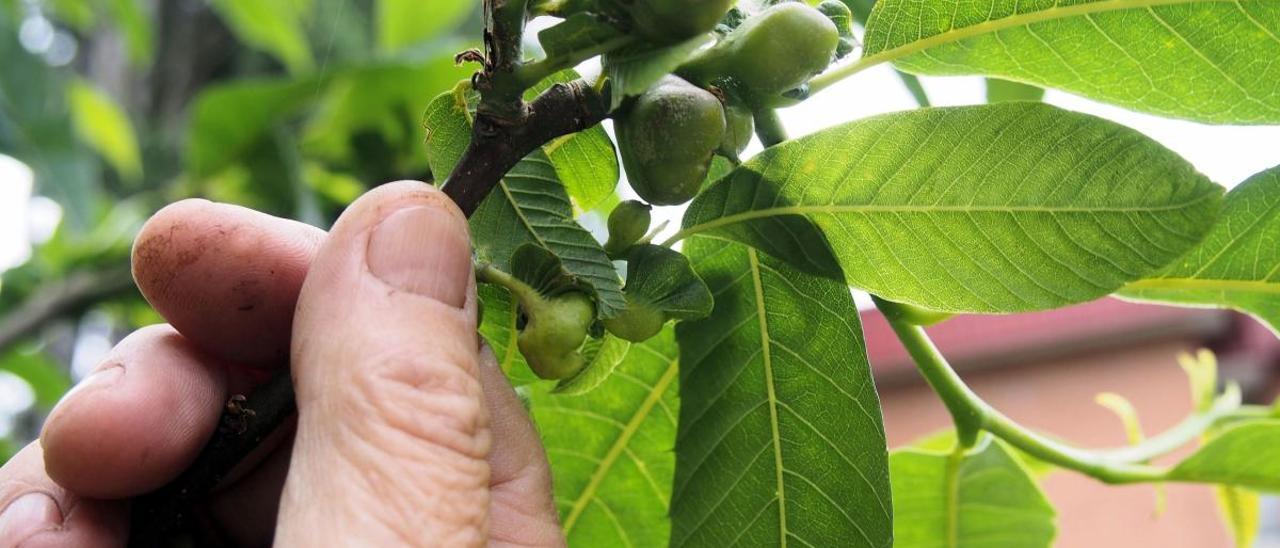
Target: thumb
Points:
(393, 434)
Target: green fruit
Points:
(740, 126)
(555, 330)
(627, 224)
(639, 322)
(782, 47)
(667, 138)
(842, 18)
(668, 21)
(776, 50)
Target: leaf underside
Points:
(610, 449)
(1205, 60)
(780, 438)
(1238, 263)
(996, 208)
(984, 500)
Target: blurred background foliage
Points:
(118, 107)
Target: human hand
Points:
(407, 432)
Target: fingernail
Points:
(27, 515)
(422, 250)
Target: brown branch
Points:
(69, 296)
(498, 144)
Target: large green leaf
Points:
(1246, 455)
(385, 99)
(983, 499)
(1205, 60)
(229, 120)
(406, 22)
(104, 126)
(993, 208)
(274, 26)
(780, 438)
(1237, 265)
(610, 449)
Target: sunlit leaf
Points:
(274, 26)
(1245, 455)
(983, 499)
(993, 208)
(610, 449)
(404, 23)
(780, 439)
(103, 124)
(1204, 60)
(1238, 263)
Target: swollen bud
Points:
(554, 333)
(639, 322)
(842, 18)
(627, 224)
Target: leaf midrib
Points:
(619, 445)
(767, 359)
(1206, 284)
(996, 25)
(886, 209)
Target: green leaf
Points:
(105, 127)
(1000, 91)
(632, 70)
(603, 357)
(992, 208)
(1240, 509)
(780, 438)
(1203, 60)
(229, 120)
(498, 327)
(1237, 265)
(984, 499)
(406, 22)
(585, 161)
(448, 125)
(45, 376)
(610, 450)
(943, 441)
(581, 31)
(134, 23)
(542, 270)
(385, 99)
(274, 26)
(1245, 455)
(665, 279)
(530, 206)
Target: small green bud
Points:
(638, 322)
(627, 224)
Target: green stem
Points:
(526, 294)
(769, 127)
(972, 415)
(530, 74)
